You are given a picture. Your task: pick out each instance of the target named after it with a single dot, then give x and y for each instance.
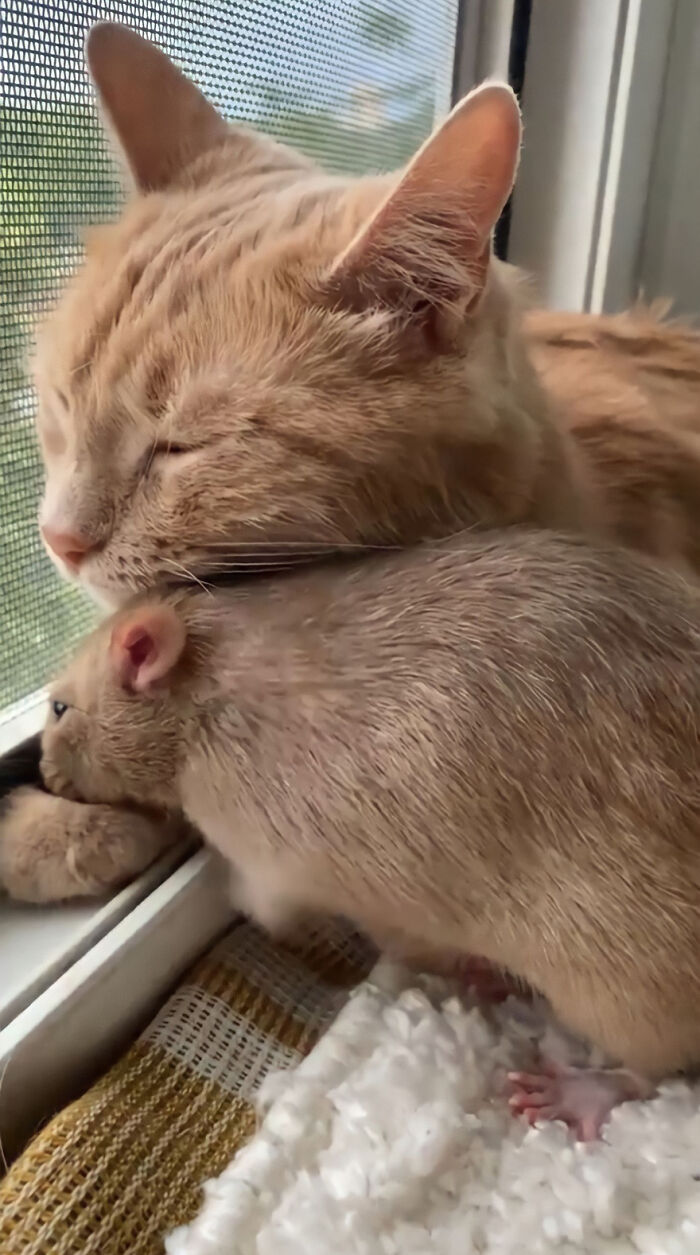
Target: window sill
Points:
(23, 720)
(78, 981)
(84, 981)
(39, 943)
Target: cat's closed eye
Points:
(171, 448)
(163, 452)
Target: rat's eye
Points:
(59, 709)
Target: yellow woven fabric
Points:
(119, 1168)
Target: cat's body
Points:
(487, 746)
(627, 390)
(258, 361)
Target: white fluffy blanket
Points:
(393, 1138)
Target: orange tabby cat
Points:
(259, 352)
(259, 361)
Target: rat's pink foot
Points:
(488, 982)
(582, 1097)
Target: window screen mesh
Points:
(357, 84)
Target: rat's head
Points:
(116, 716)
(257, 354)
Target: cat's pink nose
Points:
(70, 547)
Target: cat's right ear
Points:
(160, 120)
(425, 252)
(145, 645)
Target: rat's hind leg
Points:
(652, 1028)
(581, 1097)
(489, 982)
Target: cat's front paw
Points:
(52, 848)
(57, 783)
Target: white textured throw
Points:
(392, 1138)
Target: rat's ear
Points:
(428, 246)
(145, 646)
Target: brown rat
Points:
(488, 746)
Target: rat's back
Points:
(488, 746)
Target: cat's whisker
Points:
(317, 546)
(296, 557)
(305, 550)
(251, 557)
(188, 575)
(251, 561)
(149, 459)
(320, 546)
(285, 543)
(260, 568)
(260, 551)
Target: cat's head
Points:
(258, 358)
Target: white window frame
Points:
(22, 720)
(669, 260)
(79, 1022)
(483, 35)
(591, 101)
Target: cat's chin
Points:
(108, 598)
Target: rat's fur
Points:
(486, 746)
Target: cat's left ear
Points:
(145, 645)
(160, 120)
(428, 246)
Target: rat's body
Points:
(488, 747)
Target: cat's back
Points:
(635, 365)
(628, 389)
